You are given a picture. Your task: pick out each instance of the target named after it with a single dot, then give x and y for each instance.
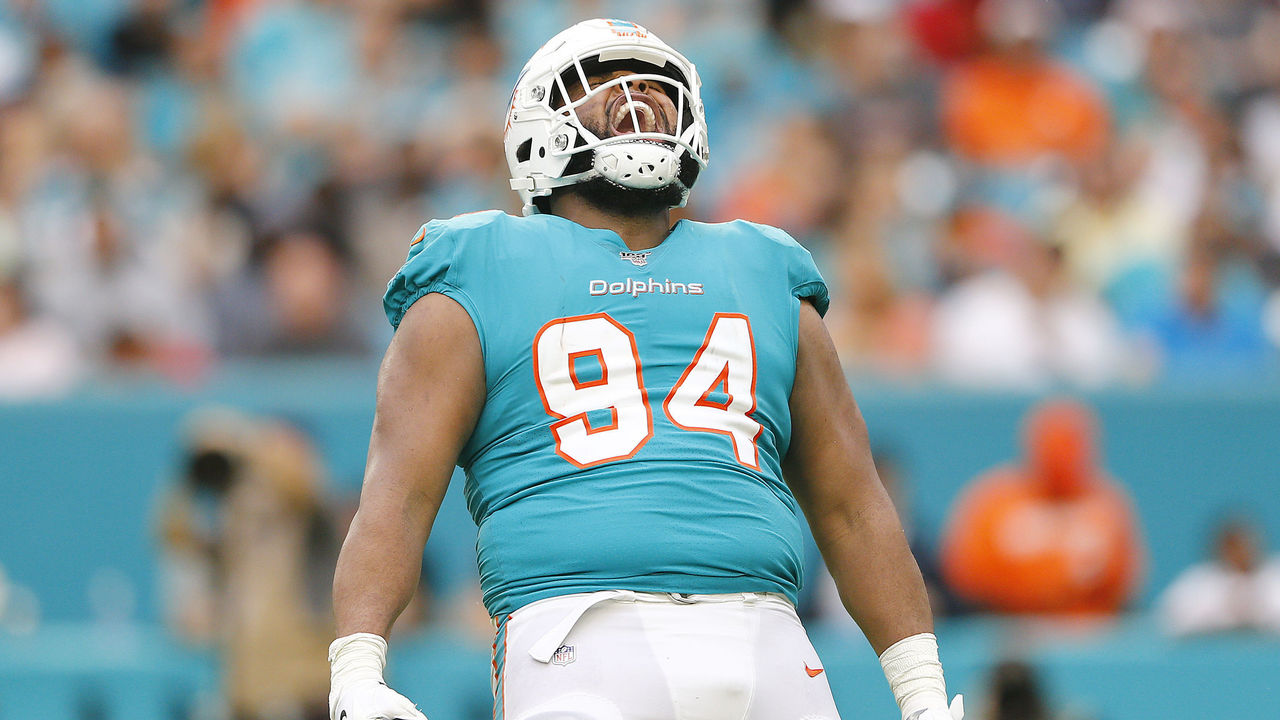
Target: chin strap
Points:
(636, 165)
(540, 185)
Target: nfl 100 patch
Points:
(639, 259)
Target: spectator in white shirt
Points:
(1237, 589)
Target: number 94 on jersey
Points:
(590, 363)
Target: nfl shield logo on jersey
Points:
(563, 656)
(639, 259)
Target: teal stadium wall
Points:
(81, 476)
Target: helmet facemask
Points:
(637, 171)
(637, 153)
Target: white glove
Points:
(956, 712)
(356, 688)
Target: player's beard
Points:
(617, 198)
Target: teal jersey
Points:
(637, 402)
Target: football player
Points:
(626, 397)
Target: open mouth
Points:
(623, 121)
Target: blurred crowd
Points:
(249, 539)
(249, 530)
(1001, 193)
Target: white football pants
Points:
(622, 655)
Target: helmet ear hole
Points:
(522, 152)
(542, 151)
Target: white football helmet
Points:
(540, 139)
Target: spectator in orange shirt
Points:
(1015, 103)
(1053, 535)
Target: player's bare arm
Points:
(830, 470)
(430, 392)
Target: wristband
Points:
(359, 656)
(914, 673)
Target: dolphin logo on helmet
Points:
(542, 139)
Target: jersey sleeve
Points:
(433, 265)
(802, 273)
(806, 281)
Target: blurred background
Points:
(1051, 231)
